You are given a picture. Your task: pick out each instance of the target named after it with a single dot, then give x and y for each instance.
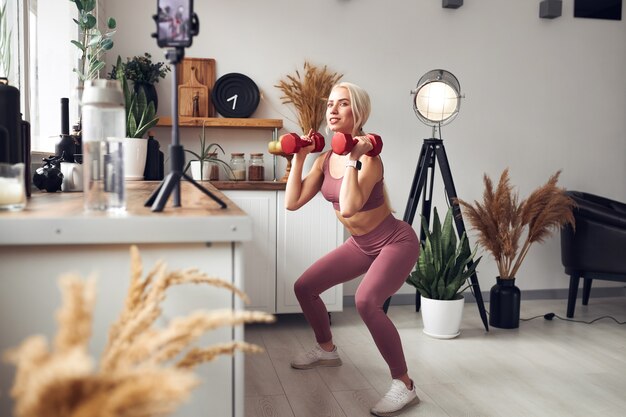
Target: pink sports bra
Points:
(331, 186)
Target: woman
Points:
(381, 247)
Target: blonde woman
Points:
(381, 247)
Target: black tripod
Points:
(171, 183)
(433, 150)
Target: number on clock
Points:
(234, 100)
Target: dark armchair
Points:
(597, 248)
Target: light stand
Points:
(171, 183)
(433, 151)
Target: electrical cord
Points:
(550, 316)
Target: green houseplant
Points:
(442, 270)
(140, 113)
(206, 156)
(501, 220)
(143, 73)
(92, 42)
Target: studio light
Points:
(436, 102)
(437, 98)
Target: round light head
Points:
(437, 98)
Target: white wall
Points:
(541, 95)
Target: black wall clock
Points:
(235, 95)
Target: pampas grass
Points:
(308, 93)
(501, 220)
(137, 374)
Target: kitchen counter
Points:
(249, 185)
(54, 236)
(59, 218)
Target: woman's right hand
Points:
(305, 150)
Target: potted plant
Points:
(206, 165)
(501, 221)
(140, 117)
(143, 73)
(440, 274)
(92, 43)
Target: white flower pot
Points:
(206, 170)
(135, 153)
(442, 318)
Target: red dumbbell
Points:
(291, 143)
(343, 143)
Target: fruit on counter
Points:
(274, 147)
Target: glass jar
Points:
(256, 167)
(238, 166)
(214, 168)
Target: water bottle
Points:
(104, 126)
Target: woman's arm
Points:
(298, 192)
(357, 185)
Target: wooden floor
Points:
(544, 368)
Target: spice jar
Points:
(214, 168)
(238, 166)
(256, 167)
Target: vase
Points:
(150, 91)
(442, 318)
(134, 154)
(504, 304)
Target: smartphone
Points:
(175, 23)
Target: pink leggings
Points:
(386, 256)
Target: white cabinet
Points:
(259, 253)
(285, 243)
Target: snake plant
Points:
(443, 265)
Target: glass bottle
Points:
(238, 166)
(256, 167)
(104, 126)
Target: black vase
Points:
(151, 93)
(504, 304)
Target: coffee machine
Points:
(14, 132)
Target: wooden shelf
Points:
(223, 122)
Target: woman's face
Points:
(339, 117)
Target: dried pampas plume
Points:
(501, 221)
(137, 375)
(308, 94)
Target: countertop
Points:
(59, 218)
(248, 185)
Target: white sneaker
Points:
(397, 399)
(316, 357)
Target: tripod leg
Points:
(421, 172)
(166, 188)
(153, 196)
(205, 191)
(460, 225)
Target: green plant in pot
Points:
(140, 117)
(92, 43)
(501, 220)
(140, 112)
(143, 73)
(206, 165)
(440, 275)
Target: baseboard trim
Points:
(550, 294)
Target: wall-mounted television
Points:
(598, 9)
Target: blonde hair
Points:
(360, 102)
